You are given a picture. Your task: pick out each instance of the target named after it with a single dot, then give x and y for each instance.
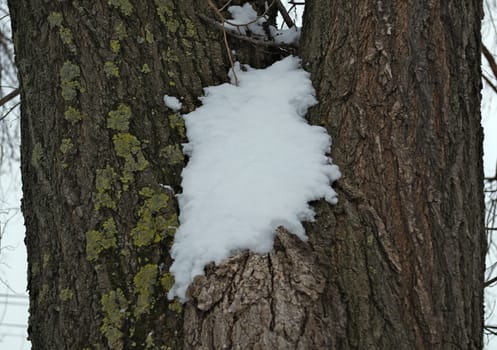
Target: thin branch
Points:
(9, 111)
(492, 85)
(9, 97)
(265, 43)
(252, 21)
(284, 14)
(490, 59)
(489, 282)
(225, 5)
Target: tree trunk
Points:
(98, 144)
(400, 90)
(398, 264)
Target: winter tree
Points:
(397, 264)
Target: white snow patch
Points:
(172, 103)
(255, 163)
(245, 21)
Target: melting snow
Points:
(245, 20)
(172, 102)
(255, 163)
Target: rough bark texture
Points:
(400, 89)
(398, 264)
(97, 143)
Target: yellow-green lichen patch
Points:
(152, 226)
(67, 38)
(176, 122)
(66, 294)
(115, 46)
(173, 154)
(111, 70)
(190, 28)
(72, 115)
(175, 306)
(167, 281)
(170, 56)
(149, 36)
(128, 147)
(120, 30)
(69, 73)
(42, 294)
(114, 308)
(37, 155)
(66, 145)
(45, 260)
(187, 45)
(104, 181)
(164, 9)
(55, 19)
(98, 241)
(119, 118)
(145, 69)
(172, 25)
(145, 281)
(123, 5)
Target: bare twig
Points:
(489, 82)
(490, 59)
(225, 5)
(490, 282)
(264, 43)
(9, 111)
(9, 97)
(284, 14)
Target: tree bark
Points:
(400, 90)
(398, 264)
(99, 148)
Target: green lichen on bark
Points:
(67, 38)
(176, 306)
(104, 181)
(120, 30)
(42, 294)
(172, 154)
(149, 36)
(66, 145)
(119, 118)
(111, 70)
(177, 123)
(144, 282)
(145, 69)
(190, 28)
(114, 308)
(128, 147)
(170, 56)
(72, 115)
(69, 75)
(164, 10)
(54, 19)
(98, 241)
(66, 294)
(123, 5)
(115, 46)
(37, 155)
(167, 281)
(152, 225)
